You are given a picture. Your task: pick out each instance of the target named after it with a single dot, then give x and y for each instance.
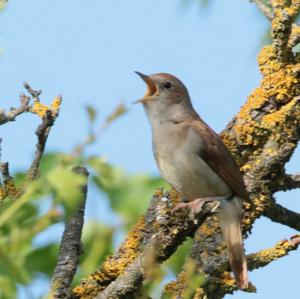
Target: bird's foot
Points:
(196, 205)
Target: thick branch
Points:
(70, 248)
(282, 215)
(262, 137)
(158, 223)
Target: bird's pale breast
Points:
(180, 164)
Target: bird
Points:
(193, 159)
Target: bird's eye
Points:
(167, 85)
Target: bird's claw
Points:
(195, 206)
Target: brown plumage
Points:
(195, 161)
(217, 156)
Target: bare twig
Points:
(34, 93)
(42, 133)
(289, 182)
(282, 215)
(266, 10)
(93, 135)
(14, 112)
(70, 248)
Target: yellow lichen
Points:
(3, 193)
(266, 256)
(158, 192)
(113, 266)
(11, 189)
(39, 109)
(267, 60)
(55, 105)
(245, 168)
(227, 279)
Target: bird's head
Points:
(166, 96)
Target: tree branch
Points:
(34, 93)
(42, 133)
(48, 115)
(294, 39)
(70, 248)
(282, 215)
(266, 256)
(262, 137)
(266, 10)
(14, 112)
(289, 182)
(158, 223)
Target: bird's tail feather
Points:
(230, 216)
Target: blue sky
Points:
(88, 52)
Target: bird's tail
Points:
(230, 215)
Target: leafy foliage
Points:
(49, 201)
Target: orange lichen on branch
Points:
(266, 256)
(113, 266)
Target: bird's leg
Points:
(196, 205)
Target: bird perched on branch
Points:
(195, 161)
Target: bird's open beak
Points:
(151, 88)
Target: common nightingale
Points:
(193, 160)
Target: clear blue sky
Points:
(88, 51)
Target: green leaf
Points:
(128, 194)
(177, 260)
(36, 261)
(67, 186)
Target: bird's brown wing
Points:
(217, 156)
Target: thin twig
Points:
(282, 215)
(70, 248)
(266, 10)
(14, 112)
(34, 93)
(42, 133)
